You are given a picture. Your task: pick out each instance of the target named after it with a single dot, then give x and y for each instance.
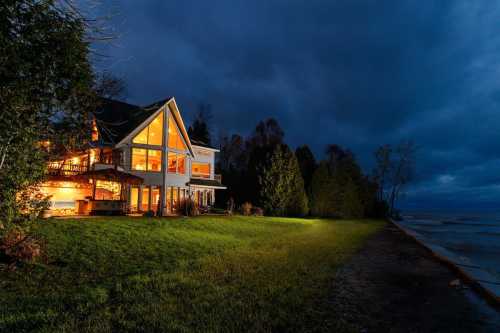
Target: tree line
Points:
(263, 170)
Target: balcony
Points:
(66, 170)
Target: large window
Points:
(107, 190)
(200, 170)
(174, 138)
(176, 163)
(146, 159)
(152, 134)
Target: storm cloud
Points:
(356, 73)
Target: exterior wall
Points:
(163, 179)
(205, 155)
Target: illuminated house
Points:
(139, 159)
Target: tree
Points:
(352, 205)
(322, 191)
(403, 170)
(307, 164)
(282, 187)
(109, 86)
(382, 170)
(46, 78)
(231, 164)
(199, 130)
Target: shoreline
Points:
(395, 284)
(492, 297)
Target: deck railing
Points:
(66, 169)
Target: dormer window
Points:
(152, 134)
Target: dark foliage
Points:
(307, 165)
(46, 85)
(199, 130)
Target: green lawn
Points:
(183, 274)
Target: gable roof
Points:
(116, 120)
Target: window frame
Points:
(201, 177)
(176, 154)
(159, 115)
(184, 147)
(147, 159)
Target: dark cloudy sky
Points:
(355, 73)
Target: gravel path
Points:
(395, 285)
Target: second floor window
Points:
(146, 159)
(174, 137)
(152, 134)
(200, 170)
(176, 163)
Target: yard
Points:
(182, 274)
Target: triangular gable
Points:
(171, 106)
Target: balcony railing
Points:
(218, 177)
(66, 169)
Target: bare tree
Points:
(383, 159)
(403, 167)
(110, 86)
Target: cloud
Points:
(358, 73)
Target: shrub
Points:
(18, 247)
(188, 207)
(257, 211)
(149, 213)
(246, 209)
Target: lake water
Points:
(471, 241)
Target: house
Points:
(138, 159)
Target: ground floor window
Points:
(145, 199)
(107, 190)
(134, 199)
(155, 198)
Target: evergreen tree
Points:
(199, 130)
(281, 185)
(322, 188)
(352, 206)
(307, 164)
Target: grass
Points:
(184, 274)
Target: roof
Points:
(201, 144)
(205, 182)
(110, 174)
(115, 119)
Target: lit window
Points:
(156, 131)
(146, 159)
(139, 159)
(107, 190)
(152, 134)
(200, 170)
(172, 162)
(176, 163)
(181, 164)
(142, 137)
(174, 138)
(154, 160)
